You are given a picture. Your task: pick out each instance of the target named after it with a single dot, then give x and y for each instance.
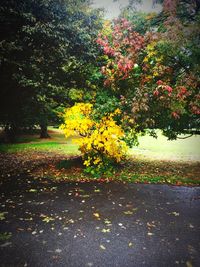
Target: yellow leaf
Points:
(102, 247)
(96, 215)
(189, 264)
(150, 234)
(175, 213)
(128, 212)
(105, 230)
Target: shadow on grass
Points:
(75, 162)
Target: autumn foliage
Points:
(150, 78)
(121, 44)
(100, 142)
(153, 83)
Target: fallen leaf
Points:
(189, 264)
(105, 230)
(2, 215)
(175, 213)
(96, 215)
(102, 247)
(128, 212)
(58, 250)
(34, 233)
(20, 229)
(6, 244)
(150, 234)
(33, 190)
(150, 224)
(48, 219)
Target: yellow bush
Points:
(100, 141)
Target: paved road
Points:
(44, 224)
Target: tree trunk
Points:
(11, 132)
(43, 131)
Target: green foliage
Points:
(142, 22)
(46, 47)
(5, 236)
(105, 103)
(108, 168)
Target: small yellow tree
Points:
(100, 142)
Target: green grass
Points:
(148, 150)
(44, 146)
(149, 147)
(57, 143)
(163, 149)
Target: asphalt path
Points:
(45, 224)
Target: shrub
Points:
(100, 142)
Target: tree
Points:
(148, 82)
(45, 46)
(158, 83)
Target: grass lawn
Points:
(163, 149)
(149, 147)
(153, 161)
(57, 143)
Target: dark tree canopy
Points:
(45, 46)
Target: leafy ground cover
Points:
(57, 158)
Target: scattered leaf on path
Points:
(175, 213)
(48, 219)
(105, 230)
(2, 215)
(6, 244)
(150, 234)
(189, 264)
(33, 190)
(97, 190)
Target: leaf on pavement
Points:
(189, 264)
(2, 215)
(175, 213)
(150, 234)
(105, 230)
(97, 190)
(48, 219)
(33, 190)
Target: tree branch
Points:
(185, 137)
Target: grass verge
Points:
(44, 158)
